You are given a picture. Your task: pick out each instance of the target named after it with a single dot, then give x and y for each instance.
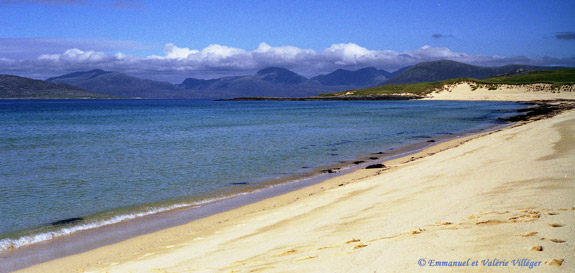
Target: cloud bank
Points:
(439, 35)
(177, 63)
(31, 48)
(565, 35)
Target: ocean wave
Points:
(11, 243)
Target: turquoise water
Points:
(108, 161)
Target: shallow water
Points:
(107, 161)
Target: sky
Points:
(172, 40)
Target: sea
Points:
(73, 165)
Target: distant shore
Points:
(503, 195)
(459, 91)
(331, 98)
(504, 92)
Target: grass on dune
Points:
(555, 77)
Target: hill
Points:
(365, 77)
(445, 69)
(15, 87)
(119, 84)
(269, 82)
(556, 78)
(281, 82)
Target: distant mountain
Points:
(444, 70)
(15, 87)
(269, 82)
(399, 71)
(118, 84)
(279, 76)
(365, 77)
(197, 84)
(280, 82)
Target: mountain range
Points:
(444, 70)
(365, 77)
(119, 84)
(15, 87)
(269, 82)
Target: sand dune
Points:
(505, 92)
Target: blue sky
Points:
(172, 40)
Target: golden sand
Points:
(505, 92)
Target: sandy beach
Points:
(505, 92)
(502, 201)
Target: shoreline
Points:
(29, 255)
(290, 197)
(317, 173)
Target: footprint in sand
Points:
(559, 241)
(528, 234)
(417, 231)
(291, 251)
(360, 246)
(490, 222)
(353, 241)
(551, 213)
(537, 248)
(306, 258)
(555, 225)
(555, 262)
(530, 211)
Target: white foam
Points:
(10, 243)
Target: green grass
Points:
(421, 88)
(555, 77)
(561, 76)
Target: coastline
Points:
(210, 225)
(130, 226)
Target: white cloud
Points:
(439, 53)
(222, 57)
(266, 52)
(348, 54)
(75, 55)
(217, 60)
(174, 52)
(120, 56)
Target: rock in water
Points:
(67, 221)
(375, 166)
